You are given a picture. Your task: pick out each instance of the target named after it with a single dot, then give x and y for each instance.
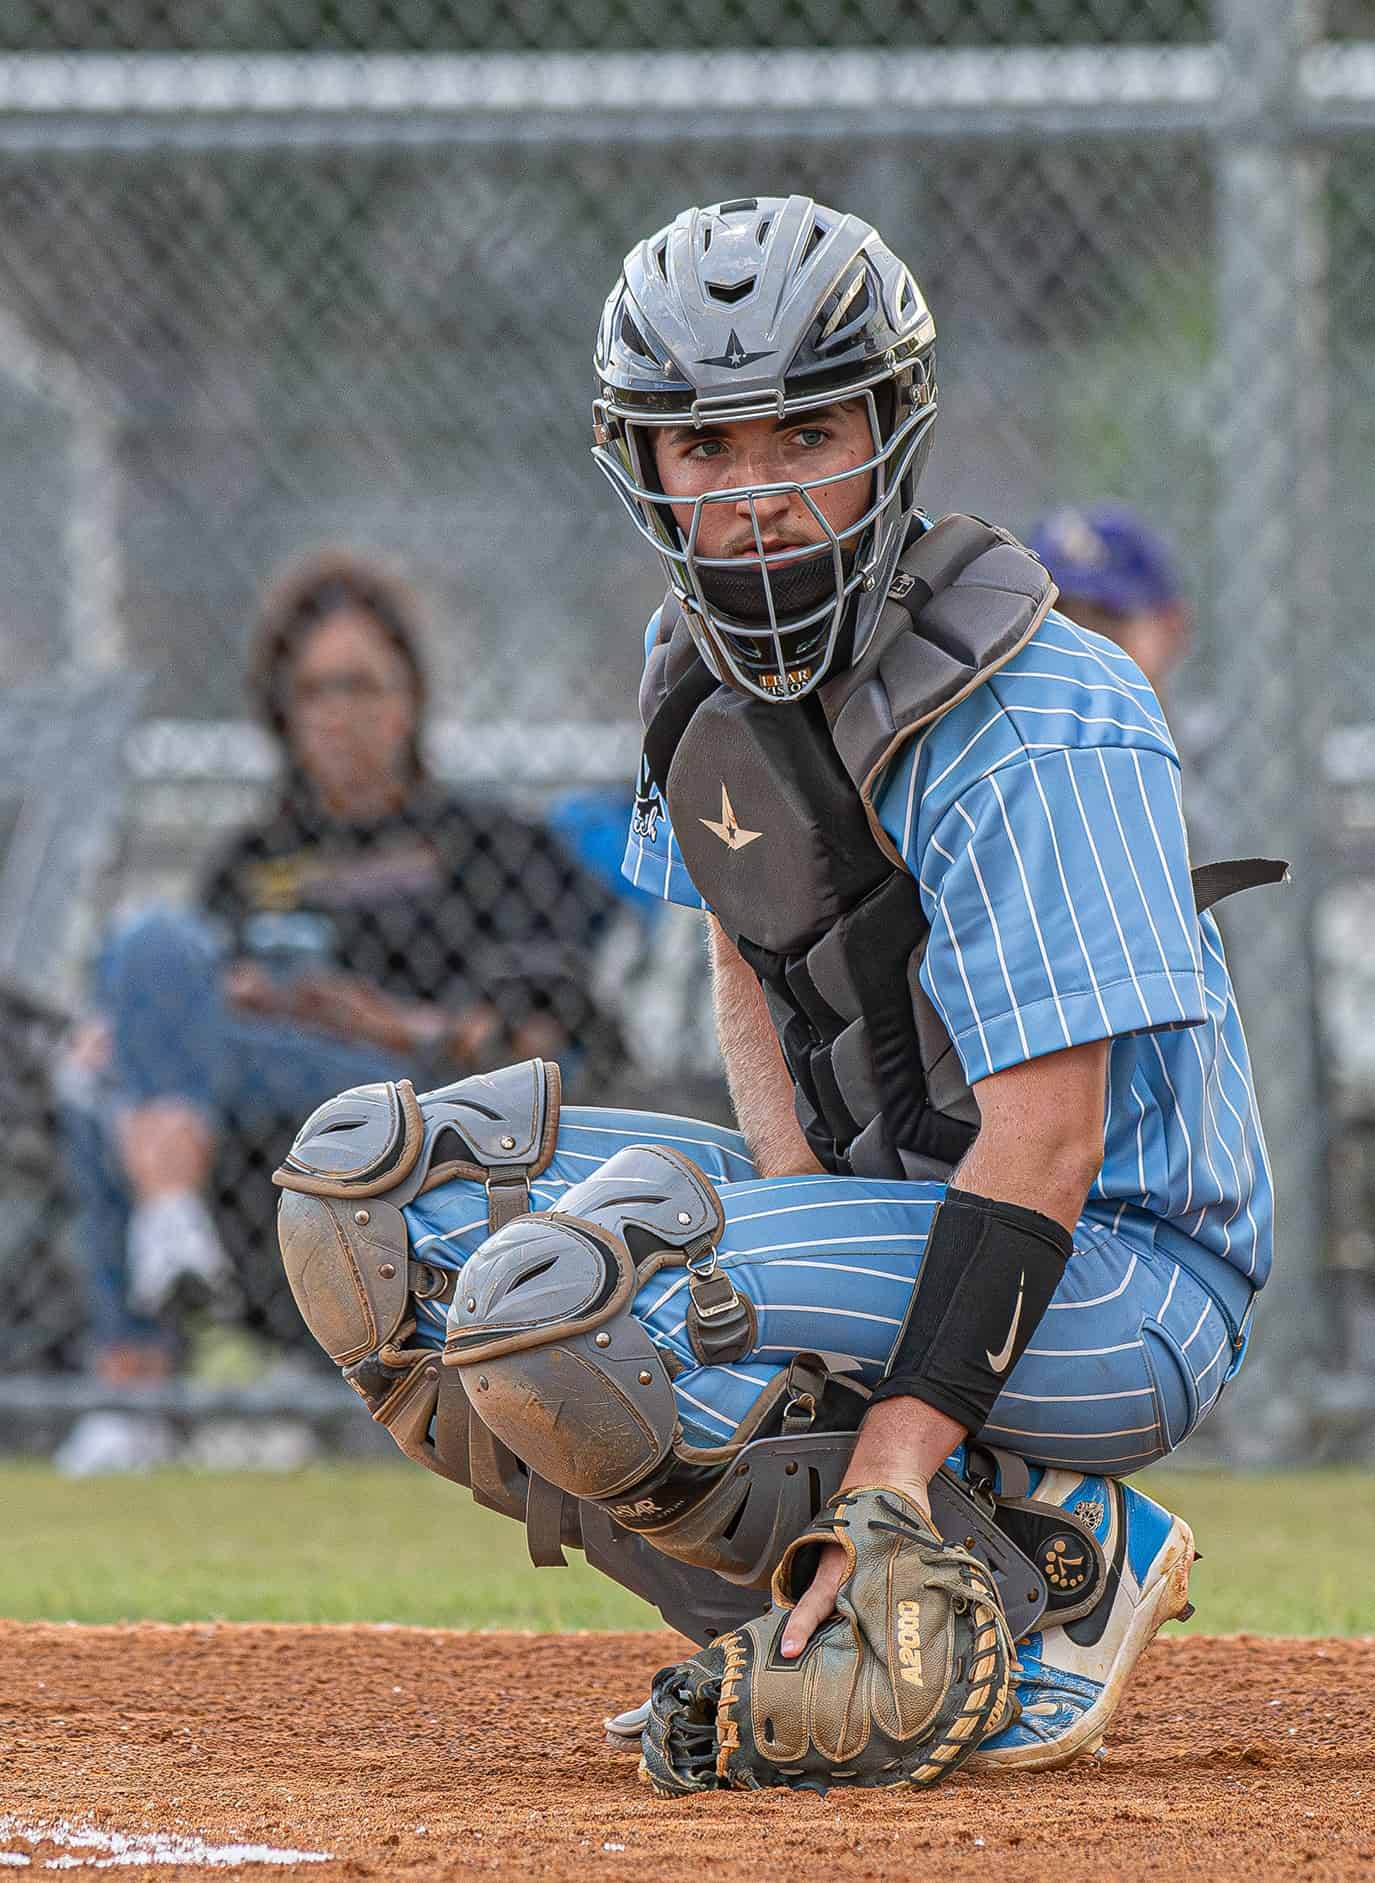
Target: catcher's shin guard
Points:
(344, 1246)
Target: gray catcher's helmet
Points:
(769, 307)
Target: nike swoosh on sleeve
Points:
(998, 1361)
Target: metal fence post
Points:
(1266, 341)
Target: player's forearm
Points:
(1050, 1176)
(902, 1442)
(1040, 1142)
(1039, 1147)
(761, 1088)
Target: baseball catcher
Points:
(851, 1393)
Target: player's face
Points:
(351, 712)
(694, 463)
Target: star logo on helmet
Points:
(736, 354)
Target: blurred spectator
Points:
(1116, 576)
(371, 924)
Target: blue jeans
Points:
(158, 982)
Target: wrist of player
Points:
(988, 1274)
(902, 1443)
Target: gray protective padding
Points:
(539, 1278)
(361, 1140)
(497, 1128)
(359, 1157)
(348, 1278)
(698, 1603)
(555, 1362)
(773, 1490)
(593, 1420)
(988, 597)
(653, 1188)
(355, 1162)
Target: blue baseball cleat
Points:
(1069, 1679)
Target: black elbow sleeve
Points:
(987, 1278)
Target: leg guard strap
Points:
(426, 1412)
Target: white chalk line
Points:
(144, 1847)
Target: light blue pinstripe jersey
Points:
(1042, 819)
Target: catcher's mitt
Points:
(898, 1687)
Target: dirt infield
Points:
(377, 1753)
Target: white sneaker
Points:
(251, 1445)
(107, 1444)
(172, 1241)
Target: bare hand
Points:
(538, 1037)
(474, 1034)
(90, 1045)
(816, 1602)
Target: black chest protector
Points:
(772, 810)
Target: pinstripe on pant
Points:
(1130, 1356)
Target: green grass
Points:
(1285, 1554)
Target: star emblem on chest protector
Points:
(728, 830)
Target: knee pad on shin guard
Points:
(552, 1357)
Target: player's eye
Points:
(810, 436)
(707, 448)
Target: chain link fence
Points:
(286, 274)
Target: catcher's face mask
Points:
(767, 569)
(765, 311)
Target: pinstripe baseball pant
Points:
(1131, 1355)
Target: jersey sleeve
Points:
(652, 861)
(1061, 910)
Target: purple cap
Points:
(1105, 553)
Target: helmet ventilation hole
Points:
(731, 291)
(633, 338)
